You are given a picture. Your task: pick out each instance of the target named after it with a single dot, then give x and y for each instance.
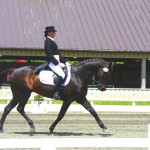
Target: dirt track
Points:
(121, 125)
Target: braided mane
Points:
(90, 60)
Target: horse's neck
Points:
(87, 69)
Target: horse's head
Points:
(103, 76)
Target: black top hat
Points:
(50, 28)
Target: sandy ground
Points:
(79, 125)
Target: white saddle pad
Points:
(46, 77)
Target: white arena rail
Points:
(53, 143)
(111, 94)
(117, 94)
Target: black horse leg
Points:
(7, 110)
(89, 108)
(21, 107)
(61, 114)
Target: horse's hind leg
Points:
(24, 98)
(7, 110)
(85, 103)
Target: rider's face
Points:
(52, 34)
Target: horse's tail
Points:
(3, 74)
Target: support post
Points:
(143, 74)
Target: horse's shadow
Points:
(64, 134)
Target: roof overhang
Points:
(11, 53)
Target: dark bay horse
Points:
(24, 80)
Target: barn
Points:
(114, 30)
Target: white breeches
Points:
(57, 69)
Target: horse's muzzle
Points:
(102, 87)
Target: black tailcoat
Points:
(51, 49)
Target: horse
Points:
(24, 80)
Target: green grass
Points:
(112, 103)
(143, 103)
(3, 101)
(126, 103)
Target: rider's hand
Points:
(61, 65)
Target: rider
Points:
(55, 61)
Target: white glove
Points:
(61, 65)
(67, 64)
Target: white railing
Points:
(94, 94)
(53, 143)
(114, 94)
(111, 94)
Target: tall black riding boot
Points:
(57, 89)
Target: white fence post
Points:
(133, 99)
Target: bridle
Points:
(98, 83)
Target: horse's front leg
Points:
(61, 114)
(85, 103)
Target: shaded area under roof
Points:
(81, 24)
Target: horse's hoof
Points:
(51, 130)
(32, 130)
(106, 131)
(1, 131)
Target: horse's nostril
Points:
(101, 88)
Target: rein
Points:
(97, 82)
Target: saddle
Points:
(47, 76)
